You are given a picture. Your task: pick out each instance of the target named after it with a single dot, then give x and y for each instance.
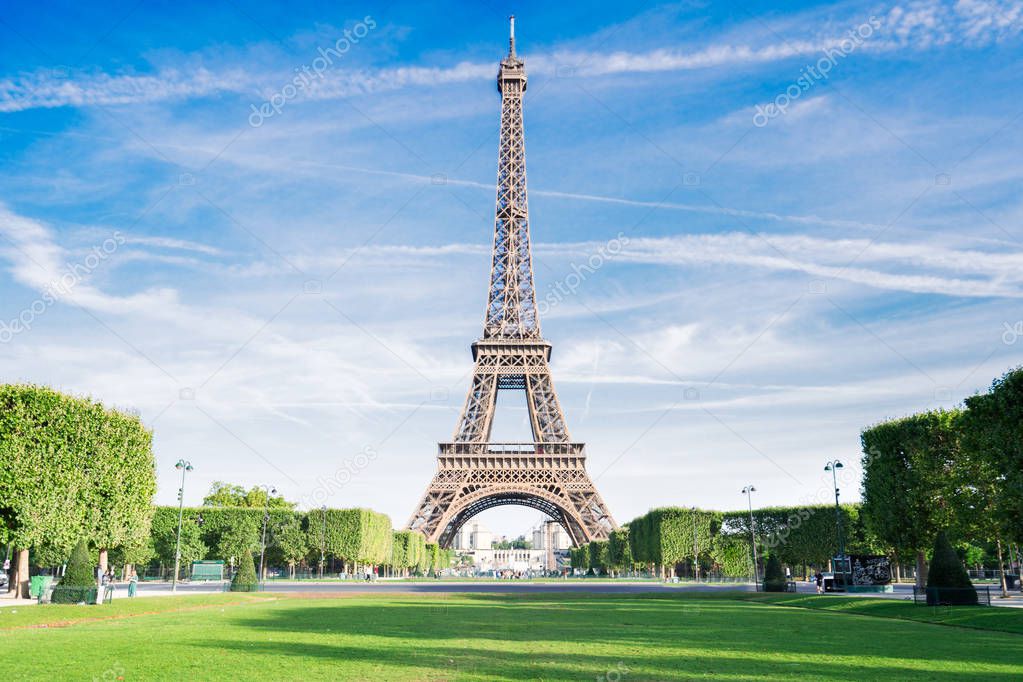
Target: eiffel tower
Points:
(549, 473)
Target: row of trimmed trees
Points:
(357, 538)
(718, 541)
(70, 468)
(353, 536)
(956, 471)
(73, 470)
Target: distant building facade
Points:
(548, 552)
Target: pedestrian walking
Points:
(819, 579)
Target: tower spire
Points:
(511, 305)
(511, 39)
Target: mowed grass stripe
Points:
(510, 637)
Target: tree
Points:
(79, 581)
(774, 576)
(232, 495)
(948, 582)
(244, 579)
(240, 537)
(434, 558)
(407, 550)
(618, 549)
(289, 540)
(165, 540)
(600, 560)
(359, 535)
(224, 495)
(70, 468)
(123, 468)
(993, 445)
(731, 554)
(580, 557)
(909, 472)
(666, 536)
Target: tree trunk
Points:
(18, 583)
(921, 570)
(898, 571)
(1001, 567)
(103, 559)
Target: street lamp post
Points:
(696, 550)
(748, 492)
(323, 542)
(833, 466)
(266, 517)
(185, 467)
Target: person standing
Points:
(819, 579)
(133, 583)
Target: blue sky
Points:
(807, 220)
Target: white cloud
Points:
(176, 244)
(981, 274)
(916, 26)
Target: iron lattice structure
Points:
(549, 473)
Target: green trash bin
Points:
(38, 584)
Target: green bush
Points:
(79, 581)
(245, 577)
(72, 468)
(947, 581)
(774, 576)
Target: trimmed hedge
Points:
(79, 582)
(245, 579)
(948, 582)
(774, 576)
(71, 468)
(352, 535)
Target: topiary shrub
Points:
(244, 579)
(774, 576)
(79, 582)
(947, 581)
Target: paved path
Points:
(902, 591)
(396, 587)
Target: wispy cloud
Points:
(917, 25)
(978, 274)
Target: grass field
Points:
(483, 636)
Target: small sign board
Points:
(870, 569)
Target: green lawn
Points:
(482, 636)
(1002, 619)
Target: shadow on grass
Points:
(664, 629)
(466, 662)
(995, 619)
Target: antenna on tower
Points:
(511, 39)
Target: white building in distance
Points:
(550, 545)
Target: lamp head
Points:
(189, 467)
(838, 465)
